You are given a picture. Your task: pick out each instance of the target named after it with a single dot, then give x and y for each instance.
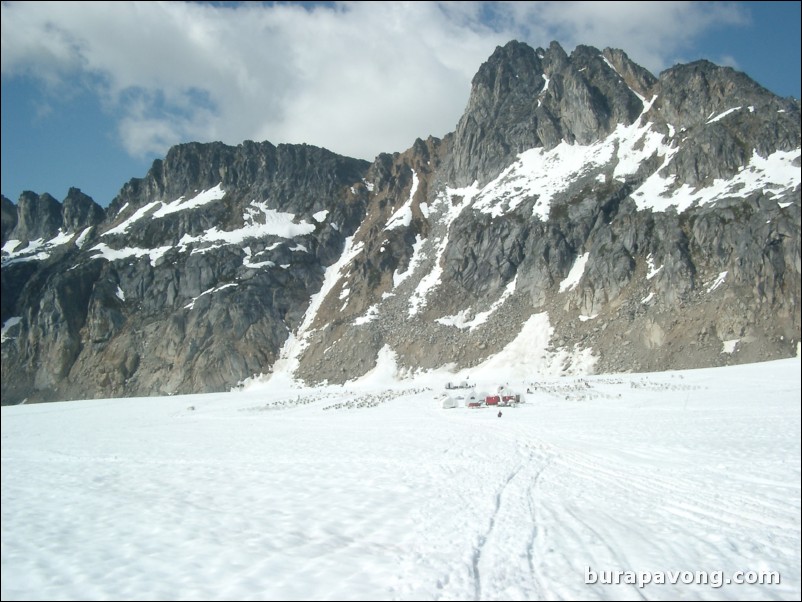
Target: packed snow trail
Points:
(372, 491)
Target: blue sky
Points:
(93, 92)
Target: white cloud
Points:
(727, 60)
(652, 33)
(358, 78)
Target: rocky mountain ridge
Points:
(593, 215)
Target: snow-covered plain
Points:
(372, 491)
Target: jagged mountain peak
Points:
(636, 77)
(523, 98)
(39, 216)
(9, 218)
(511, 61)
(80, 211)
(584, 212)
(695, 92)
(261, 168)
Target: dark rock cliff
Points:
(640, 222)
(172, 301)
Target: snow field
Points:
(372, 491)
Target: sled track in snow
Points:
(507, 560)
(477, 553)
(537, 533)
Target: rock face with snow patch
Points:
(192, 282)
(585, 213)
(523, 98)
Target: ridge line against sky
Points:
(92, 92)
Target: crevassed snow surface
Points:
(373, 492)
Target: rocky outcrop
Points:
(191, 283)
(79, 211)
(8, 219)
(636, 77)
(523, 98)
(675, 262)
(647, 222)
(38, 216)
(41, 217)
(724, 118)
